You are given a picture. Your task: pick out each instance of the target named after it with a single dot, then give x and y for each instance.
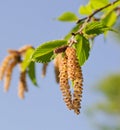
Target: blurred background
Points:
(34, 22)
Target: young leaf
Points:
(27, 61)
(44, 52)
(82, 48)
(31, 73)
(91, 6)
(96, 4)
(68, 17)
(96, 28)
(110, 19)
(85, 10)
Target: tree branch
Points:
(87, 19)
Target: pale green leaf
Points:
(44, 52)
(31, 73)
(92, 6)
(96, 4)
(110, 19)
(85, 10)
(26, 61)
(68, 17)
(82, 48)
(111, 8)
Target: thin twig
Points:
(97, 11)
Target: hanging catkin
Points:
(8, 74)
(64, 86)
(44, 69)
(56, 67)
(22, 86)
(75, 74)
(4, 65)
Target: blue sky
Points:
(33, 22)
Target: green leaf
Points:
(110, 19)
(82, 48)
(31, 73)
(44, 52)
(27, 61)
(85, 10)
(96, 4)
(68, 17)
(92, 6)
(44, 58)
(111, 8)
(96, 28)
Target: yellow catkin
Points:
(44, 69)
(22, 86)
(64, 85)
(8, 74)
(4, 65)
(56, 67)
(71, 54)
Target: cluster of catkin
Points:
(68, 68)
(15, 57)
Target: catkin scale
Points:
(64, 85)
(8, 74)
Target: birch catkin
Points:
(44, 69)
(22, 86)
(56, 66)
(64, 85)
(4, 65)
(75, 75)
(9, 74)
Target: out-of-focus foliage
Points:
(109, 106)
(110, 87)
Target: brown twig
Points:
(87, 19)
